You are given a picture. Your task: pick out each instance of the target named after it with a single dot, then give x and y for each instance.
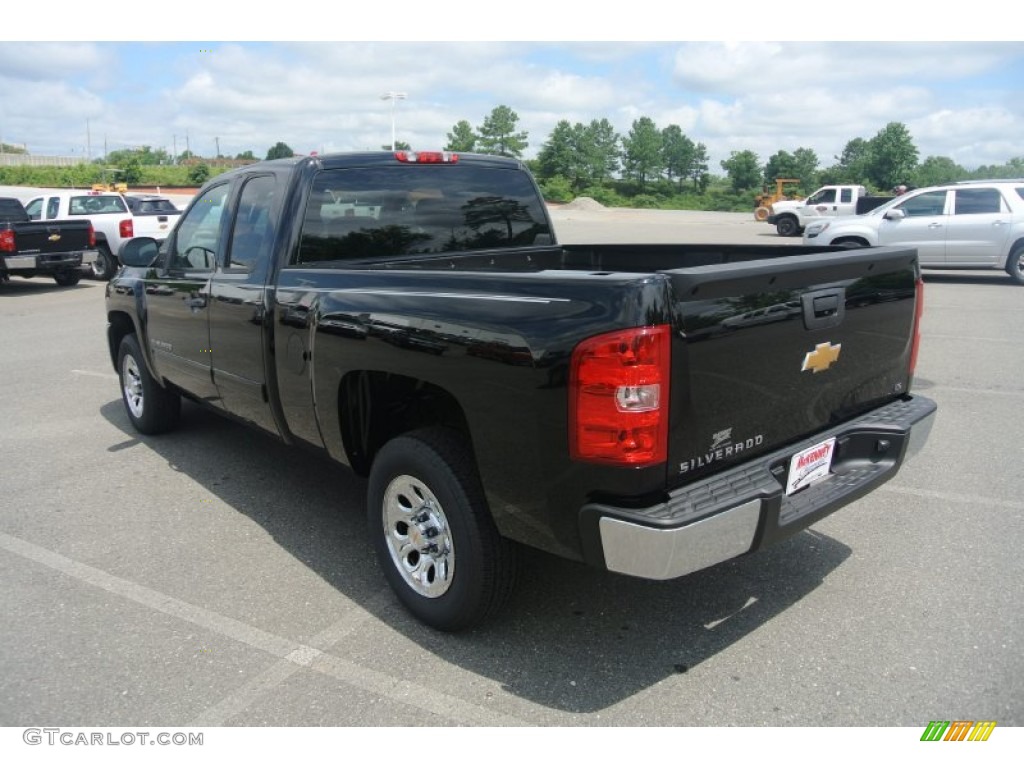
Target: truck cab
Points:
(790, 217)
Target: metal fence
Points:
(7, 158)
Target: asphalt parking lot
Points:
(212, 576)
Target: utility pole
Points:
(88, 141)
(216, 140)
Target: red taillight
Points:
(92, 237)
(7, 240)
(426, 157)
(618, 397)
(918, 311)
(125, 228)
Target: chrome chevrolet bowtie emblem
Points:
(54, 237)
(822, 357)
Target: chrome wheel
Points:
(418, 536)
(131, 379)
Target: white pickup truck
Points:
(110, 216)
(791, 217)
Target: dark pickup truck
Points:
(648, 409)
(55, 249)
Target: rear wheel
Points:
(787, 226)
(433, 533)
(1015, 265)
(151, 408)
(67, 277)
(850, 243)
(105, 265)
(761, 213)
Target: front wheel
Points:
(105, 265)
(787, 226)
(433, 533)
(1015, 265)
(151, 408)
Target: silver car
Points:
(968, 225)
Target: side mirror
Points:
(895, 214)
(139, 252)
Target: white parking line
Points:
(293, 656)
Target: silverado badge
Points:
(54, 237)
(822, 357)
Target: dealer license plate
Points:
(809, 465)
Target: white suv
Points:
(969, 225)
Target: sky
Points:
(963, 100)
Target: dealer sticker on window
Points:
(809, 465)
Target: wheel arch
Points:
(1014, 246)
(851, 241)
(119, 325)
(374, 407)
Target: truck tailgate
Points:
(51, 237)
(774, 350)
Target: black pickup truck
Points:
(648, 409)
(54, 248)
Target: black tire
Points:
(151, 408)
(424, 492)
(1015, 265)
(105, 265)
(850, 244)
(67, 277)
(787, 226)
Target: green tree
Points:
(781, 165)
(601, 150)
(677, 151)
(699, 168)
(404, 145)
(559, 155)
(10, 149)
(247, 155)
(855, 162)
(279, 150)
(893, 156)
(802, 164)
(198, 174)
(498, 134)
(461, 138)
(1012, 169)
(642, 152)
(133, 171)
(743, 169)
(937, 170)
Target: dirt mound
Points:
(584, 204)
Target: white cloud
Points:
(957, 99)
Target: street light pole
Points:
(393, 96)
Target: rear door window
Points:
(968, 201)
(365, 213)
